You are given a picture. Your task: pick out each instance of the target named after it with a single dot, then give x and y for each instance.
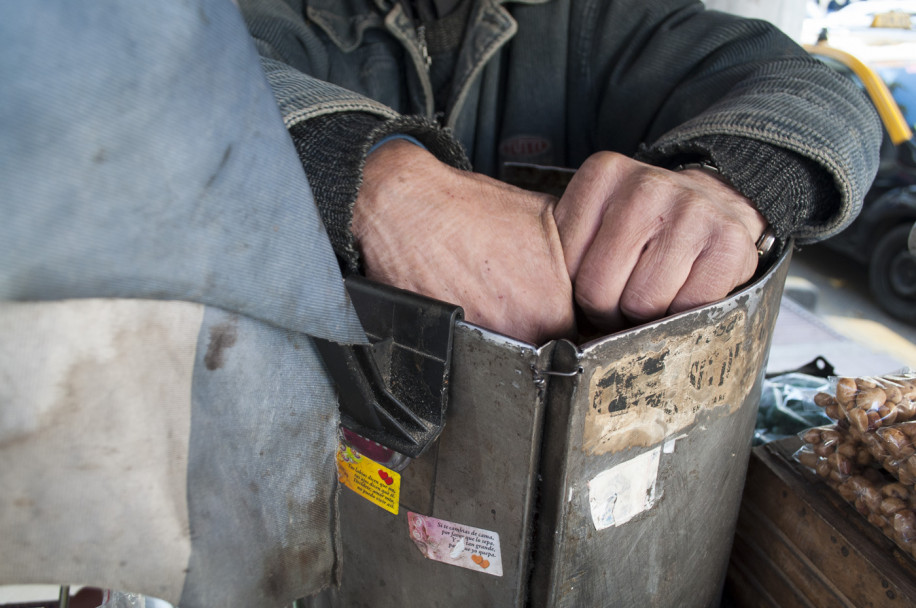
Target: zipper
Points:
(400, 25)
(424, 49)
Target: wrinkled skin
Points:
(627, 242)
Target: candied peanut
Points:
(847, 492)
(904, 523)
(874, 446)
(891, 505)
(874, 420)
(877, 520)
(888, 414)
(872, 498)
(824, 449)
(911, 465)
(905, 477)
(893, 393)
(807, 459)
(847, 449)
(829, 436)
(840, 464)
(846, 391)
(836, 478)
(859, 419)
(822, 468)
(897, 442)
(896, 490)
(824, 399)
(871, 398)
(865, 383)
(858, 483)
(812, 436)
(906, 409)
(833, 412)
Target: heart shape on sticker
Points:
(389, 480)
(484, 564)
(476, 559)
(383, 475)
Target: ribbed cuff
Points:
(333, 150)
(789, 190)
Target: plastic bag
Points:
(869, 454)
(787, 406)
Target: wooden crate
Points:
(799, 544)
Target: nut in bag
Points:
(869, 455)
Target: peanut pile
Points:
(869, 455)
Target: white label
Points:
(619, 494)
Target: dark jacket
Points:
(552, 82)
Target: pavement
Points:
(827, 311)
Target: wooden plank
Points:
(863, 565)
(776, 552)
(877, 548)
(743, 589)
(769, 585)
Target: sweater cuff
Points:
(333, 150)
(789, 190)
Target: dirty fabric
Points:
(165, 424)
(143, 155)
(166, 448)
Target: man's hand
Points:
(641, 242)
(464, 238)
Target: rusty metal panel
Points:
(645, 455)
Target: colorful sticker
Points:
(376, 483)
(455, 544)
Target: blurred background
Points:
(852, 299)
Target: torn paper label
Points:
(376, 483)
(456, 544)
(617, 495)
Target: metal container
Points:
(611, 472)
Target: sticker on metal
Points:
(456, 544)
(375, 482)
(619, 494)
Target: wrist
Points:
(751, 217)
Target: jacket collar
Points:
(345, 21)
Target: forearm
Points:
(333, 150)
(699, 83)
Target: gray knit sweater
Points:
(664, 81)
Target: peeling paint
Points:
(641, 399)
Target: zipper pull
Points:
(424, 50)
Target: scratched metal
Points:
(481, 473)
(518, 451)
(691, 382)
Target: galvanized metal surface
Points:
(674, 401)
(481, 473)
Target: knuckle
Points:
(639, 305)
(592, 296)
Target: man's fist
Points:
(641, 242)
(464, 238)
